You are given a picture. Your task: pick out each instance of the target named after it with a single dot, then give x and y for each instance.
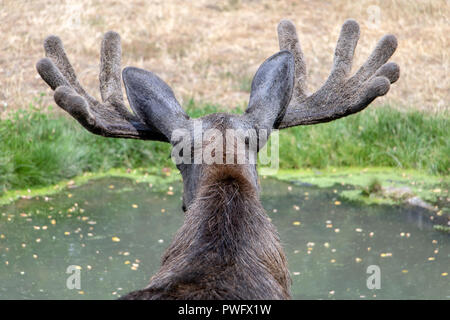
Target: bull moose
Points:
(227, 247)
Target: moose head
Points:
(226, 248)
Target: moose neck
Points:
(226, 248)
(228, 211)
(226, 231)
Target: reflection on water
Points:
(116, 231)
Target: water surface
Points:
(115, 231)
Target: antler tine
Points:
(54, 50)
(380, 55)
(341, 95)
(288, 40)
(110, 118)
(110, 71)
(345, 48)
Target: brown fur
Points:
(226, 249)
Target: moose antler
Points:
(110, 118)
(341, 95)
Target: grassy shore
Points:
(40, 149)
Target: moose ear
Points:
(271, 91)
(153, 101)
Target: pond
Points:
(115, 230)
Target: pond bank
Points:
(352, 184)
(40, 149)
(392, 187)
(157, 178)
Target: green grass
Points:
(39, 149)
(380, 137)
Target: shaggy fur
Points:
(226, 249)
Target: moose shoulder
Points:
(227, 248)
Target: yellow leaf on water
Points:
(115, 239)
(296, 223)
(135, 206)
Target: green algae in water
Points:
(116, 230)
(430, 188)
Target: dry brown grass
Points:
(209, 50)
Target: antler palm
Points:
(340, 95)
(111, 118)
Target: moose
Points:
(227, 248)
